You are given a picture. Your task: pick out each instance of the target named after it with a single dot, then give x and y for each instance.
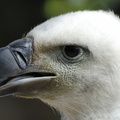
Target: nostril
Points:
(20, 58)
(22, 51)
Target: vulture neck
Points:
(91, 112)
(72, 108)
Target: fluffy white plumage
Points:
(77, 56)
(90, 88)
(93, 85)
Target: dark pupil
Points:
(72, 51)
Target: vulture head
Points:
(71, 62)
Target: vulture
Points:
(71, 62)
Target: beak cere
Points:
(17, 77)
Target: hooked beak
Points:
(17, 76)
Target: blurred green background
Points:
(17, 17)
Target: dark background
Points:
(17, 17)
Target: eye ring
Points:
(72, 52)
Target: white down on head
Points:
(88, 86)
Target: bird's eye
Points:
(72, 52)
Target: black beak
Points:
(16, 74)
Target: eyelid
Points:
(81, 46)
(85, 48)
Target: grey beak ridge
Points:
(14, 58)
